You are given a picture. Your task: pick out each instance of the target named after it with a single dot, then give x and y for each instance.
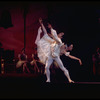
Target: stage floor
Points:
(38, 77)
(31, 86)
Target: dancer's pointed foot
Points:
(48, 81)
(71, 81)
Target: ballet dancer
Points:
(49, 59)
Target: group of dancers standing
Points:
(50, 47)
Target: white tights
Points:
(61, 66)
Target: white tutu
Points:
(19, 63)
(44, 48)
(46, 44)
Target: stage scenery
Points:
(49, 46)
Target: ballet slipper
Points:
(48, 81)
(70, 81)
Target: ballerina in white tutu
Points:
(22, 63)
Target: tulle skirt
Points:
(20, 63)
(43, 49)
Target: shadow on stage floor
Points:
(30, 86)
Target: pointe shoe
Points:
(71, 81)
(48, 81)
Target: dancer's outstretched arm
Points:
(53, 32)
(41, 23)
(73, 57)
(50, 40)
